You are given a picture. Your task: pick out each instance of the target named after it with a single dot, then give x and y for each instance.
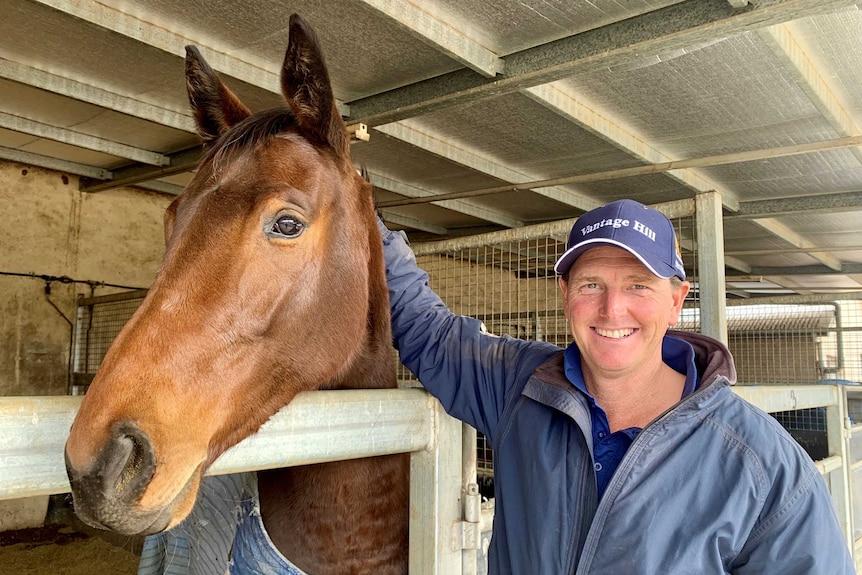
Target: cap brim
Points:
(568, 258)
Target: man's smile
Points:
(614, 333)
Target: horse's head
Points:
(272, 259)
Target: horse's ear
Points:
(305, 84)
(216, 108)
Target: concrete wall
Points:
(50, 228)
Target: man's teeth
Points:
(614, 333)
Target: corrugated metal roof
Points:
(463, 95)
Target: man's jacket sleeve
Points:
(803, 537)
(470, 371)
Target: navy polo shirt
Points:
(609, 448)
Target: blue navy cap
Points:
(643, 231)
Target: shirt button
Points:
(598, 466)
(601, 435)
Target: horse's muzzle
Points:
(106, 495)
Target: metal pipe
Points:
(839, 333)
(316, 427)
(775, 398)
(702, 162)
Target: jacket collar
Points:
(548, 384)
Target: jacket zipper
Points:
(617, 477)
(588, 474)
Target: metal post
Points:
(854, 465)
(710, 266)
(435, 500)
(837, 436)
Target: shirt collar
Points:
(675, 352)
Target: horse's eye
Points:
(288, 226)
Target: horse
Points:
(272, 283)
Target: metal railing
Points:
(853, 468)
(447, 523)
(316, 427)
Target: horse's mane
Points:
(251, 132)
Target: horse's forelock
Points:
(249, 133)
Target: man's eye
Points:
(288, 227)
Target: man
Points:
(626, 453)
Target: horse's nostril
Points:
(129, 462)
(134, 463)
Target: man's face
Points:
(618, 311)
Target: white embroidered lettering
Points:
(645, 230)
(616, 223)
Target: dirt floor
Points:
(60, 549)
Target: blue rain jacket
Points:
(714, 485)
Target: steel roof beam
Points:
(773, 251)
(736, 264)
(161, 187)
(462, 206)
(440, 35)
(66, 136)
(781, 230)
(439, 146)
(846, 269)
(50, 163)
(183, 161)
(704, 161)
(672, 28)
(417, 224)
(821, 203)
(791, 284)
(690, 245)
(80, 91)
(793, 53)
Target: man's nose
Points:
(613, 303)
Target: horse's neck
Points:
(373, 366)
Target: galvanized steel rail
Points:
(316, 427)
(331, 425)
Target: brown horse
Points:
(272, 284)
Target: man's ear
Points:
(564, 290)
(678, 294)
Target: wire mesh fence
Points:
(507, 281)
(98, 320)
(510, 285)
